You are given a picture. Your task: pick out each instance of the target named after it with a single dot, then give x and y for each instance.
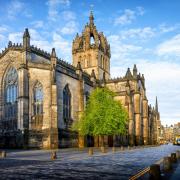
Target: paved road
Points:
(76, 164)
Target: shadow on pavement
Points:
(8, 162)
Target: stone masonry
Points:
(63, 90)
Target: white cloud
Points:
(138, 33)
(119, 50)
(129, 15)
(37, 24)
(65, 2)
(140, 10)
(69, 28)
(38, 40)
(68, 15)
(53, 8)
(2, 37)
(35, 35)
(170, 47)
(3, 28)
(53, 3)
(164, 28)
(16, 37)
(42, 44)
(62, 46)
(15, 8)
(126, 18)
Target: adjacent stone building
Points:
(41, 95)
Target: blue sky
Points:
(146, 33)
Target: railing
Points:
(145, 171)
(140, 174)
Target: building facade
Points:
(41, 95)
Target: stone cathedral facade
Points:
(41, 95)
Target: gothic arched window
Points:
(92, 41)
(66, 104)
(37, 119)
(11, 94)
(38, 99)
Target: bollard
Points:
(53, 155)
(178, 154)
(167, 164)
(173, 157)
(129, 148)
(3, 154)
(155, 173)
(90, 152)
(122, 148)
(113, 149)
(103, 149)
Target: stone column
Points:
(81, 139)
(23, 103)
(145, 122)
(53, 123)
(131, 125)
(81, 109)
(52, 129)
(137, 117)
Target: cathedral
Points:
(41, 95)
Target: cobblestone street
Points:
(76, 164)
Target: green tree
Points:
(102, 116)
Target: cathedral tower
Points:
(92, 50)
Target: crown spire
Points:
(91, 18)
(156, 106)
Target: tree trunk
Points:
(101, 140)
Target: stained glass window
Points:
(38, 99)
(66, 104)
(11, 94)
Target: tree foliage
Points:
(102, 116)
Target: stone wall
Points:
(67, 137)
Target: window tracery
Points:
(11, 94)
(67, 105)
(38, 97)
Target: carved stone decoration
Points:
(12, 56)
